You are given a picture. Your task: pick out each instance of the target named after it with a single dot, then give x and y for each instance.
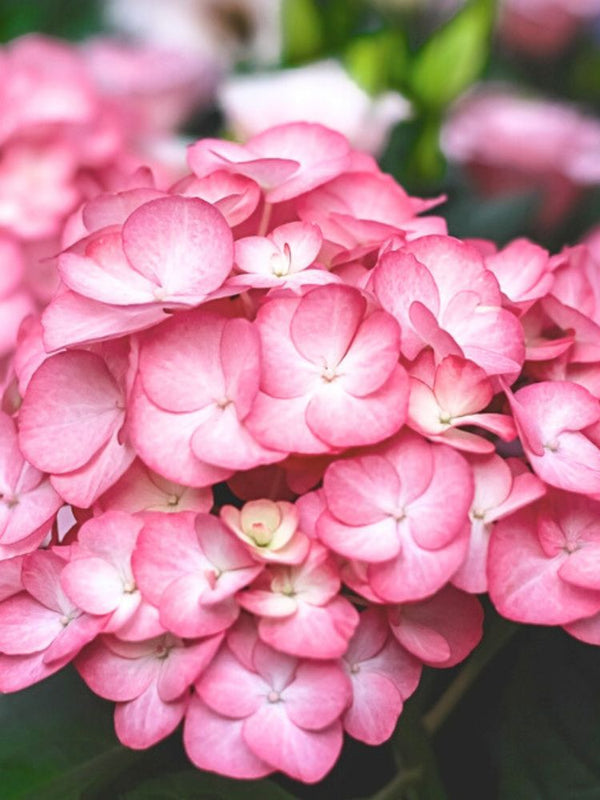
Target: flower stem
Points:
(499, 634)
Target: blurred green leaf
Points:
(378, 61)
(196, 785)
(69, 19)
(548, 743)
(302, 31)
(56, 741)
(501, 219)
(454, 56)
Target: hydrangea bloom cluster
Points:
(76, 120)
(273, 434)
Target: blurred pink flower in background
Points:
(510, 143)
(543, 27)
(320, 92)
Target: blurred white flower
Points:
(225, 30)
(321, 92)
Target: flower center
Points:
(273, 696)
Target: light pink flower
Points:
(543, 561)
(330, 373)
(403, 511)
(551, 418)
(141, 489)
(442, 630)
(383, 675)
(300, 610)
(41, 630)
(446, 397)
(150, 681)
(71, 422)
(285, 161)
(443, 296)
(274, 712)
(198, 379)
(501, 488)
(190, 568)
(28, 502)
(269, 530)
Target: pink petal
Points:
(313, 631)
(215, 743)
(71, 408)
(317, 696)
(142, 722)
(304, 755)
(184, 245)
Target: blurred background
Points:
(490, 102)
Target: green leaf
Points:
(548, 747)
(196, 785)
(377, 61)
(454, 56)
(71, 19)
(302, 31)
(56, 741)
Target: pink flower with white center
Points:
(99, 578)
(190, 567)
(150, 681)
(41, 629)
(442, 295)
(501, 488)
(198, 378)
(264, 711)
(286, 160)
(170, 253)
(359, 210)
(442, 630)
(269, 530)
(300, 610)
(330, 374)
(444, 398)
(543, 561)
(283, 258)
(28, 502)
(141, 489)
(402, 510)
(383, 675)
(551, 418)
(523, 270)
(71, 423)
